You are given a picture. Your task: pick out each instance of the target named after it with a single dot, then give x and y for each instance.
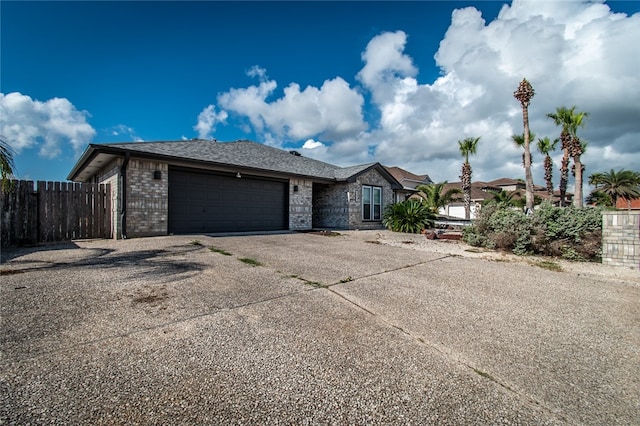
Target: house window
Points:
(371, 202)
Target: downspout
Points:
(123, 209)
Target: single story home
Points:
(205, 186)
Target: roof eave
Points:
(92, 151)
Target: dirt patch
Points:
(151, 296)
(324, 233)
(11, 271)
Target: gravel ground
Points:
(363, 328)
(459, 248)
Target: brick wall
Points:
(147, 198)
(621, 238)
(340, 205)
(300, 201)
(373, 178)
(330, 207)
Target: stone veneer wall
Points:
(147, 198)
(621, 238)
(300, 204)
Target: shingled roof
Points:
(243, 154)
(407, 179)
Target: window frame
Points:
(369, 211)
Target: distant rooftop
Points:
(408, 179)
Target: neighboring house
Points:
(508, 184)
(625, 204)
(481, 192)
(409, 182)
(203, 186)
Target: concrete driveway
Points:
(326, 330)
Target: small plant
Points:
(483, 374)
(409, 216)
(251, 262)
(217, 250)
(195, 243)
(313, 284)
(551, 266)
(346, 280)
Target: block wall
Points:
(621, 238)
(300, 204)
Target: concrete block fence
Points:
(621, 238)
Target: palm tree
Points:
(6, 164)
(595, 179)
(503, 198)
(523, 94)
(518, 141)
(599, 198)
(571, 147)
(576, 149)
(545, 146)
(620, 184)
(467, 147)
(434, 197)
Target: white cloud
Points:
(573, 52)
(311, 144)
(207, 120)
(334, 110)
(259, 72)
(122, 131)
(481, 66)
(387, 69)
(27, 123)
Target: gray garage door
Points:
(201, 202)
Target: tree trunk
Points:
(527, 161)
(465, 178)
(565, 140)
(577, 197)
(548, 173)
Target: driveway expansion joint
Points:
(448, 354)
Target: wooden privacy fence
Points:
(55, 211)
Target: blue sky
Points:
(343, 82)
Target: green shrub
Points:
(473, 237)
(571, 233)
(503, 228)
(409, 216)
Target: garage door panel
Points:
(200, 202)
